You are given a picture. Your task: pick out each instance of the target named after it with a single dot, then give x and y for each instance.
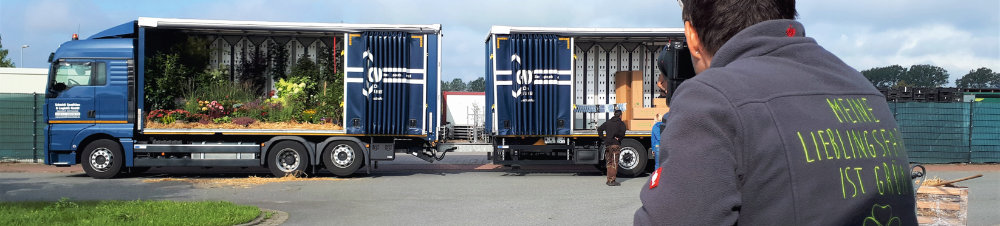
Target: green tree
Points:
(979, 79)
(456, 85)
(478, 85)
(278, 56)
(193, 52)
(925, 76)
(306, 71)
(251, 71)
(4, 62)
(333, 93)
(167, 80)
(884, 77)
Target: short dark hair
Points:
(618, 113)
(719, 20)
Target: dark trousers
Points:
(611, 157)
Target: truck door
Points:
(71, 94)
(111, 103)
(70, 99)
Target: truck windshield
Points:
(77, 74)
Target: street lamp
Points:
(22, 54)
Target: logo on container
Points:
(375, 77)
(523, 80)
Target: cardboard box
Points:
(660, 102)
(641, 124)
(637, 89)
(649, 113)
(623, 92)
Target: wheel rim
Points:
(288, 160)
(342, 156)
(627, 159)
(101, 159)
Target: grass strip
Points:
(139, 212)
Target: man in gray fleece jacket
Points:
(774, 130)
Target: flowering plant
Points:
(214, 109)
(167, 116)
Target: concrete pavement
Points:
(464, 189)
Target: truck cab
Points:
(90, 95)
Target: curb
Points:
(277, 218)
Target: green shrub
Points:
(166, 78)
(223, 119)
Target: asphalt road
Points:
(462, 190)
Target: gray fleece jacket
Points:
(779, 131)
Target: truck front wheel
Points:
(288, 157)
(632, 159)
(102, 159)
(342, 158)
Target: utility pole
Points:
(22, 54)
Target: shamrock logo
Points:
(882, 216)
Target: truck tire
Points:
(288, 158)
(632, 159)
(342, 158)
(103, 159)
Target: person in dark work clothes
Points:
(774, 130)
(615, 129)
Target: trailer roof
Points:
(585, 32)
(282, 26)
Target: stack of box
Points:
(628, 89)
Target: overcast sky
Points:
(957, 35)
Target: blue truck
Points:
(549, 88)
(98, 108)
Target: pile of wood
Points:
(941, 202)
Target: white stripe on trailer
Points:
(538, 72)
(390, 80)
(539, 82)
(423, 128)
(347, 40)
(389, 70)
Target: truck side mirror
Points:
(59, 87)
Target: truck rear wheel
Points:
(342, 158)
(287, 157)
(632, 159)
(103, 159)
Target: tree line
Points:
(478, 85)
(929, 76)
(4, 62)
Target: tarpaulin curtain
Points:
(387, 69)
(534, 112)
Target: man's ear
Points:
(699, 57)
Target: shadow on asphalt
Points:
(404, 165)
(384, 171)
